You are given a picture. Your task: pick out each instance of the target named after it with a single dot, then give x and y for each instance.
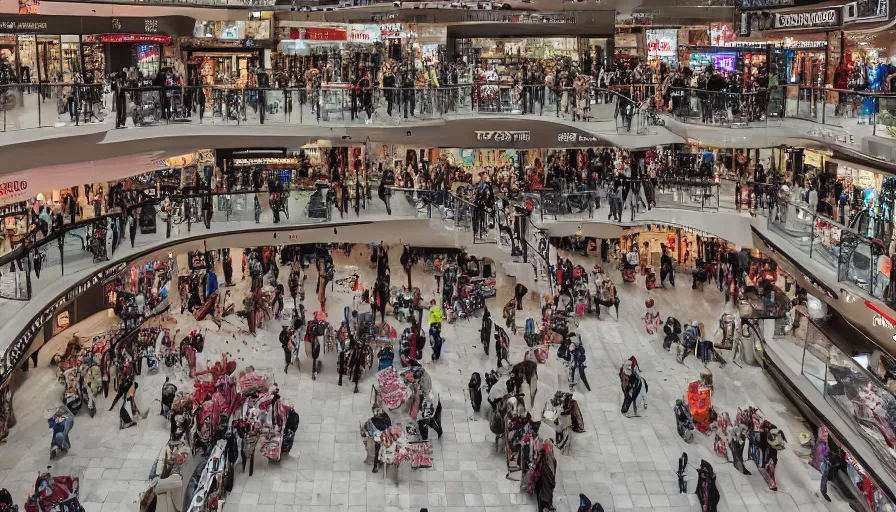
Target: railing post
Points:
(824, 106)
(875, 107)
(60, 242)
(76, 104)
(812, 234)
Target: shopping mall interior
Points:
(553, 263)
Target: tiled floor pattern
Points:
(623, 463)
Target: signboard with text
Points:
(810, 19)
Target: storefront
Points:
(662, 47)
(688, 248)
(143, 52)
(866, 62)
(802, 64)
(626, 48)
(56, 48)
(229, 53)
(346, 51)
(865, 200)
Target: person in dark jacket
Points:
(666, 269)
(485, 332)
(286, 343)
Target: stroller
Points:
(6, 504)
(475, 388)
(401, 303)
(289, 430)
(585, 505)
(169, 391)
(630, 266)
(684, 421)
(385, 356)
(61, 422)
(650, 280)
(430, 415)
(672, 330)
(529, 334)
(72, 399)
(54, 494)
(559, 416)
(152, 361)
(689, 342)
(96, 244)
(699, 276)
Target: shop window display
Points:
(148, 58)
(865, 399)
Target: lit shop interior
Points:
(506, 55)
(228, 53)
(346, 50)
(47, 57)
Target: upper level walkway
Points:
(860, 124)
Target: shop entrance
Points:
(235, 69)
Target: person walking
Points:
(509, 315)
(666, 269)
(485, 332)
(286, 342)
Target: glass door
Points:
(27, 59)
(49, 56)
(71, 60)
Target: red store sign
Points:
(128, 38)
(321, 34)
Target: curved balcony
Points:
(61, 110)
(855, 122)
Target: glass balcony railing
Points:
(62, 105)
(635, 109)
(40, 259)
(855, 258)
(860, 396)
(688, 194)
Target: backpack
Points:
(691, 335)
(530, 326)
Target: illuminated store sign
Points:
(764, 4)
(504, 136)
(824, 18)
(576, 137)
(15, 188)
(128, 38)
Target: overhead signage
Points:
(20, 345)
(787, 43)
(246, 162)
(323, 34)
(721, 33)
(881, 321)
(811, 19)
(128, 38)
(662, 44)
(432, 34)
(63, 321)
(13, 189)
(503, 136)
(364, 33)
(524, 18)
(576, 137)
(765, 4)
(23, 26)
(636, 19)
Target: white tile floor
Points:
(620, 462)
